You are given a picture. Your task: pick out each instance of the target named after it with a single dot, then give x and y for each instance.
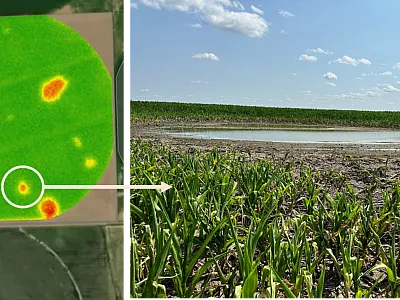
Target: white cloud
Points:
(294, 74)
(199, 82)
(151, 3)
(257, 10)
(285, 13)
(358, 78)
(221, 14)
(283, 32)
(364, 61)
(134, 5)
(330, 83)
(396, 66)
(319, 51)
(330, 76)
(350, 96)
(388, 73)
(390, 88)
(352, 61)
(238, 5)
(245, 23)
(145, 90)
(398, 82)
(197, 25)
(309, 58)
(374, 92)
(209, 56)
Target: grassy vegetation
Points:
(234, 227)
(162, 111)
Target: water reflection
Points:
(299, 136)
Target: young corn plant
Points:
(152, 287)
(247, 265)
(294, 252)
(343, 214)
(367, 215)
(351, 267)
(277, 255)
(186, 257)
(390, 262)
(253, 181)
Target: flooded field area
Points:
(296, 136)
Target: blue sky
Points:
(282, 53)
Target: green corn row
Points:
(155, 112)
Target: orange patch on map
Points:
(23, 188)
(52, 90)
(49, 208)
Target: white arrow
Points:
(162, 187)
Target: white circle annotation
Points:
(17, 205)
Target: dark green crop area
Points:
(190, 112)
(69, 140)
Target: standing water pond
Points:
(290, 135)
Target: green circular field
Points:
(55, 115)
